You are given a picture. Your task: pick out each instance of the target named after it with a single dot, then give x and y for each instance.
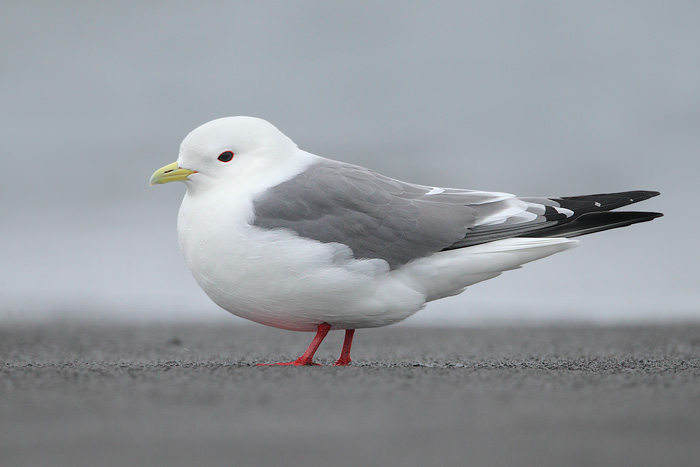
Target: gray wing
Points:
(379, 217)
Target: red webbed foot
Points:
(298, 362)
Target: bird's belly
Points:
(278, 279)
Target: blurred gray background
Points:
(534, 98)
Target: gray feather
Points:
(379, 217)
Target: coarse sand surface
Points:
(188, 394)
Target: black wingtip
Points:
(641, 195)
(634, 196)
(604, 201)
(595, 222)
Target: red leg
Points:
(345, 353)
(308, 357)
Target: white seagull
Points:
(288, 239)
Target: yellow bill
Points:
(170, 173)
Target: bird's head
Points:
(229, 151)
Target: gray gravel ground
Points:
(190, 395)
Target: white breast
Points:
(276, 278)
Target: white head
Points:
(231, 151)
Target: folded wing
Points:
(379, 217)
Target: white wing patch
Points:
(566, 212)
(514, 211)
(435, 191)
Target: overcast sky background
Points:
(534, 98)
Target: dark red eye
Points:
(225, 156)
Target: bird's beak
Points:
(170, 173)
